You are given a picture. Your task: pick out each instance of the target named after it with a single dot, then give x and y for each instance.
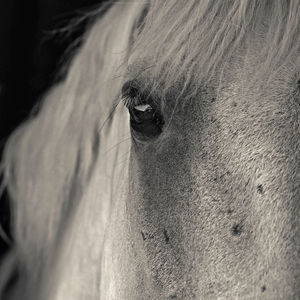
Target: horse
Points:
(166, 164)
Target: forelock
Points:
(195, 41)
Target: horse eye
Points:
(145, 118)
(145, 121)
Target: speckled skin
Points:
(212, 210)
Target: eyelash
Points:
(130, 96)
(128, 102)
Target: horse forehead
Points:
(233, 80)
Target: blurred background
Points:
(32, 50)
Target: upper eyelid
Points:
(129, 99)
(129, 86)
(133, 93)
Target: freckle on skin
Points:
(167, 238)
(260, 189)
(143, 236)
(263, 288)
(237, 229)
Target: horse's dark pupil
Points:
(147, 123)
